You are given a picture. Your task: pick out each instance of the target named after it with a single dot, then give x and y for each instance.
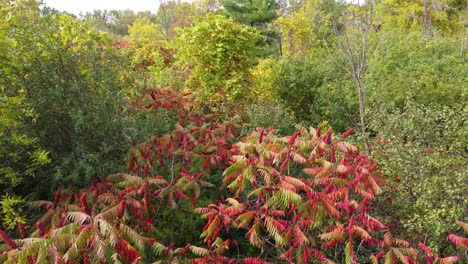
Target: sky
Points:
(77, 6)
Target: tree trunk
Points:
(427, 21)
(362, 112)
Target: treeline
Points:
(134, 125)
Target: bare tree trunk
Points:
(362, 112)
(463, 34)
(427, 21)
(354, 46)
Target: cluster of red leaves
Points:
(165, 169)
(10, 243)
(305, 194)
(299, 198)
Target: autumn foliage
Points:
(303, 198)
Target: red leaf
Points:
(426, 249)
(122, 207)
(10, 243)
(255, 261)
(41, 228)
(332, 155)
(458, 240)
(293, 138)
(57, 196)
(347, 133)
(284, 164)
(184, 250)
(22, 230)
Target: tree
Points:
(307, 28)
(172, 14)
(145, 30)
(429, 17)
(69, 76)
(354, 43)
(114, 22)
(251, 12)
(218, 54)
(423, 154)
(409, 69)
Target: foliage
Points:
(265, 80)
(424, 156)
(143, 29)
(257, 14)
(69, 76)
(410, 69)
(203, 109)
(11, 214)
(459, 240)
(253, 13)
(105, 222)
(21, 157)
(269, 115)
(219, 53)
(311, 90)
(304, 197)
(446, 16)
(307, 27)
(172, 15)
(116, 22)
(300, 198)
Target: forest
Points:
(235, 131)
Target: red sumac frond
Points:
(458, 240)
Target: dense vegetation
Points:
(237, 131)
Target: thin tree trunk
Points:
(427, 21)
(463, 34)
(362, 112)
(173, 216)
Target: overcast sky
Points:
(77, 6)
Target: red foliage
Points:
(57, 196)
(41, 229)
(22, 230)
(300, 196)
(347, 133)
(86, 260)
(122, 207)
(255, 261)
(10, 243)
(127, 251)
(282, 208)
(458, 240)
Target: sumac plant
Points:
(106, 222)
(304, 198)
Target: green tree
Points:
(218, 53)
(251, 12)
(71, 78)
(20, 153)
(408, 68)
(444, 17)
(114, 22)
(424, 155)
(144, 29)
(308, 27)
(172, 14)
(414, 95)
